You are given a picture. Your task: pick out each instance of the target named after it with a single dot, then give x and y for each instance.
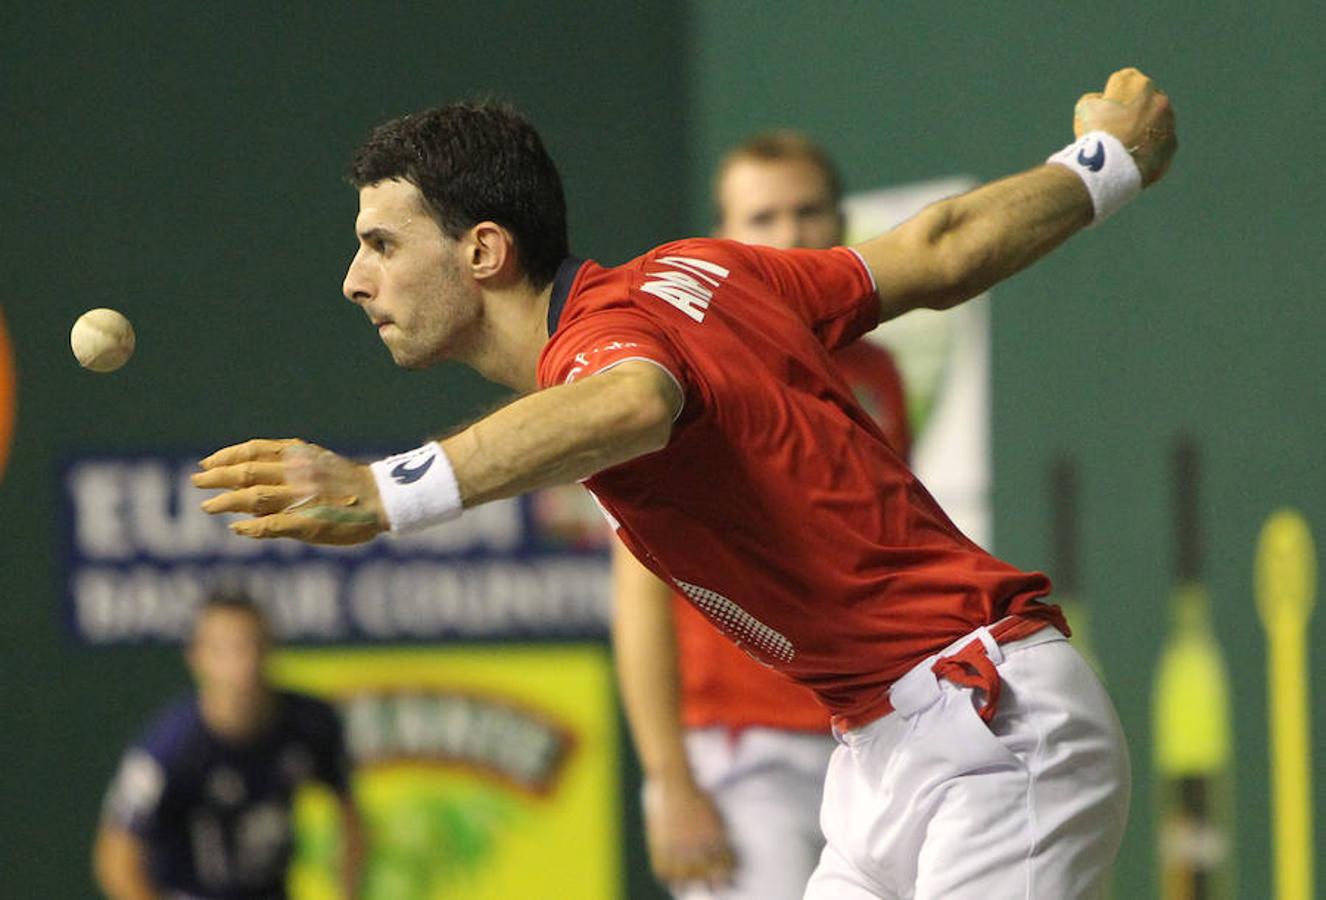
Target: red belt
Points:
(970, 665)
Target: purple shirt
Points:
(214, 816)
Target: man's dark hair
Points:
(476, 162)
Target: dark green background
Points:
(182, 165)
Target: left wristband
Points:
(418, 488)
(1106, 168)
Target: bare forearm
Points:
(957, 248)
(119, 868)
(564, 434)
(645, 645)
(1003, 227)
(554, 436)
(684, 829)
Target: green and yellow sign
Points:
(482, 771)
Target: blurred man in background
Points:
(201, 804)
(734, 753)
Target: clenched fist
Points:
(1136, 112)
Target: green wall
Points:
(1200, 308)
(182, 164)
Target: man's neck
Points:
(511, 335)
(235, 717)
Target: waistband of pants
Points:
(970, 661)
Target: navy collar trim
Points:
(562, 281)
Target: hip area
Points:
(972, 660)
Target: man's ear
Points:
(489, 251)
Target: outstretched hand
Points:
(293, 489)
(1136, 112)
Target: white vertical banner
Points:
(944, 358)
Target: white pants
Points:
(931, 802)
(767, 785)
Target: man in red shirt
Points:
(691, 391)
(734, 753)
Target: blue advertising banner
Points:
(140, 556)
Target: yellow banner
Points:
(481, 772)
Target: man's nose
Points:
(786, 233)
(356, 287)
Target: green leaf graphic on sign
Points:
(428, 845)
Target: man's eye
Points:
(762, 220)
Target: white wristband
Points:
(418, 488)
(1105, 167)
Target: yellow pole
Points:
(1285, 586)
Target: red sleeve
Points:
(595, 343)
(831, 290)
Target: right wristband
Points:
(418, 488)
(1105, 167)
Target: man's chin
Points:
(406, 359)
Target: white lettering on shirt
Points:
(687, 285)
(582, 359)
